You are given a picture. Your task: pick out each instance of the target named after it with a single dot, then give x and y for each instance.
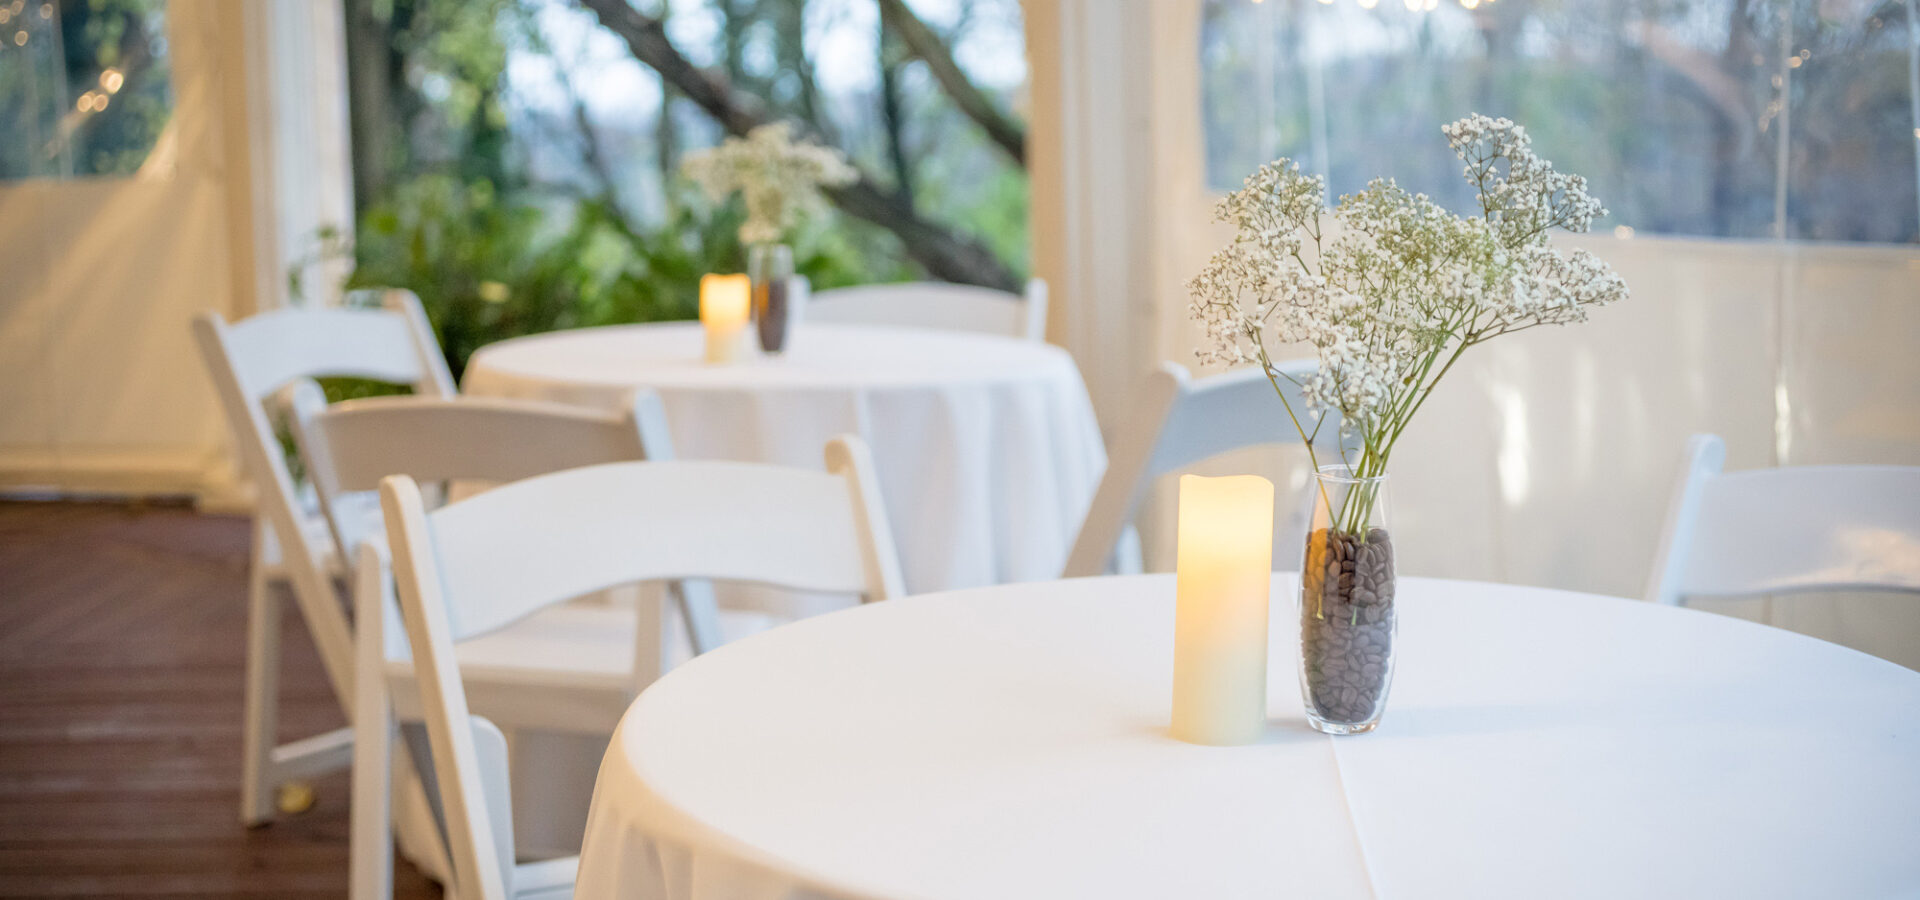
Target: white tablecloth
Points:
(1011, 743)
(987, 448)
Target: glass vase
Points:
(770, 267)
(1347, 612)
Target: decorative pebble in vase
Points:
(1347, 615)
(776, 295)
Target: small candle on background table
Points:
(1225, 570)
(724, 302)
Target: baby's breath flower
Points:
(777, 176)
(1399, 286)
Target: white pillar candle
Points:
(1225, 566)
(724, 301)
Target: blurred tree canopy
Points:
(516, 161)
(1722, 118)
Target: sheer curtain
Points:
(1718, 118)
(1759, 160)
(157, 158)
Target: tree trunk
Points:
(944, 254)
(791, 16)
(1006, 132)
(370, 111)
(1730, 140)
(892, 57)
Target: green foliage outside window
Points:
(510, 216)
(488, 267)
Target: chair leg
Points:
(1128, 557)
(701, 613)
(415, 830)
(260, 730)
(650, 633)
(370, 835)
(371, 830)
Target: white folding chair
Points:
(932, 304)
(348, 447)
(250, 362)
(1177, 422)
(479, 565)
(526, 675)
(1791, 530)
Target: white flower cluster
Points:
(776, 175)
(1530, 197)
(1395, 287)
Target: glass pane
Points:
(84, 86)
(1673, 109)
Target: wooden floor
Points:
(122, 641)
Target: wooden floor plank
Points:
(122, 647)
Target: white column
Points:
(1090, 164)
(296, 124)
(1116, 162)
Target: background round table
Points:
(1011, 742)
(987, 448)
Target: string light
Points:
(1412, 5)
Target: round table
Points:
(1012, 742)
(987, 448)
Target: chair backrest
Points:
(252, 360)
(482, 563)
(927, 304)
(1794, 529)
(348, 447)
(1178, 421)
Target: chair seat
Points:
(567, 668)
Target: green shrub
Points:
(488, 267)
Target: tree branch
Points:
(892, 57)
(945, 255)
(591, 152)
(1005, 131)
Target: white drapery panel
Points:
(100, 387)
(102, 390)
(1546, 458)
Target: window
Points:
(1723, 118)
(84, 86)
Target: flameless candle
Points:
(1225, 569)
(724, 301)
